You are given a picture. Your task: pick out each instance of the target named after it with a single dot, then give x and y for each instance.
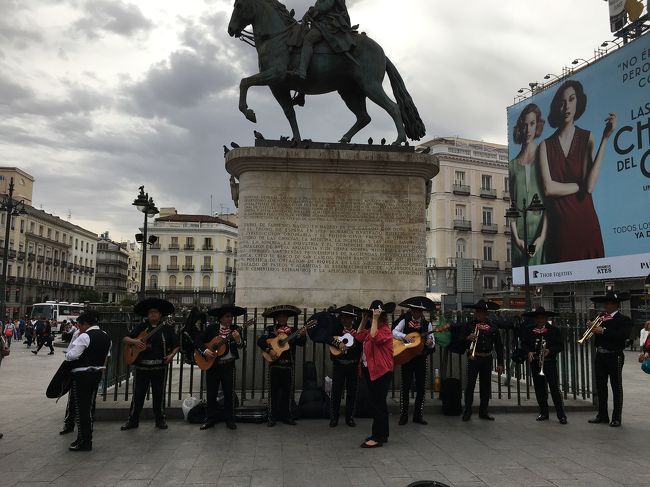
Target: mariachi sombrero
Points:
(385, 307)
(349, 310)
(540, 311)
(418, 302)
(162, 305)
(483, 305)
(229, 308)
(611, 297)
(280, 309)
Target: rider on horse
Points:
(329, 21)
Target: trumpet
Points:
(589, 332)
(472, 347)
(542, 355)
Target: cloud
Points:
(111, 16)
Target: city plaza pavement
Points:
(514, 450)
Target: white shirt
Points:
(75, 335)
(398, 332)
(77, 346)
(643, 337)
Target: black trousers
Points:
(348, 376)
(83, 390)
(224, 376)
(542, 383)
(480, 368)
(280, 392)
(71, 411)
(610, 366)
(416, 368)
(47, 341)
(142, 379)
(378, 390)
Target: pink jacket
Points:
(378, 351)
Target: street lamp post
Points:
(13, 208)
(146, 205)
(513, 213)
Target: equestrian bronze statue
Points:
(320, 54)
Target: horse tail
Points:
(413, 124)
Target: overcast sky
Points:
(100, 96)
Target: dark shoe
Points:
(231, 425)
(376, 445)
(467, 415)
(34, 352)
(334, 422)
(66, 430)
(385, 440)
(81, 447)
(419, 420)
(52, 353)
(615, 423)
(161, 424)
(75, 442)
(128, 426)
(271, 423)
(350, 422)
(403, 420)
(486, 416)
(207, 425)
(290, 422)
(563, 420)
(598, 420)
(542, 417)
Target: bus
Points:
(56, 311)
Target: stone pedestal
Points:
(320, 226)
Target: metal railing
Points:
(575, 364)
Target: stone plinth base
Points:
(319, 227)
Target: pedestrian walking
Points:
(9, 331)
(45, 337)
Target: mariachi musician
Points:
(345, 365)
(281, 369)
(150, 366)
(482, 335)
(223, 370)
(611, 335)
(414, 322)
(542, 343)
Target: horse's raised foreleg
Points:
(259, 79)
(356, 102)
(283, 96)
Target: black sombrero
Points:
(418, 302)
(611, 297)
(483, 305)
(162, 305)
(280, 309)
(540, 311)
(230, 308)
(349, 310)
(385, 307)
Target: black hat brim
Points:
(419, 302)
(285, 309)
(349, 310)
(535, 314)
(385, 307)
(162, 305)
(484, 306)
(234, 310)
(611, 298)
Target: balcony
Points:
(228, 269)
(174, 246)
(229, 249)
(56, 262)
(48, 260)
(507, 230)
(172, 268)
(188, 247)
(506, 195)
(489, 228)
(431, 263)
(21, 255)
(154, 267)
(207, 267)
(155, 246)
(207, 247)
(488, 193)
(491, 264)
(461, 189)
(70, 265)
(463, 225)
(40, 259)
(508, 265)
(189, 268)
(31, 256)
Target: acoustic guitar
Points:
(347, 340)
(218, 345)
(131, 352)
(406, 349)
(281, 343)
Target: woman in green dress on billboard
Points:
(524, 184)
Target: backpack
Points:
(313, 402)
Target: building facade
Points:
(134, 268)
(467, 235)
(194, 260)
(112, 268)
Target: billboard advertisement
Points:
(583, 145)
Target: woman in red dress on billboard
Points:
(569, 174)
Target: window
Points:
(92, 248)
(206, 282)
(460, 248)
(31, 227)
(460, 178)
(506, 183)
(487, 250)
(56, 236)
(460, 212)
(40, 230)
(488, 282)
(189, 242)
(76, 244)
(188, 261)
(207, 260)
(154, 260)
(86, 246)
(173, 260)
(172, 282)
(207, 243)
(187, 282)
(487, 216)
(508, 252)
(486, 181)
(153, 281)
(22, 226)
(174, 240)
(49, 233)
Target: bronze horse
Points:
(354, 77)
